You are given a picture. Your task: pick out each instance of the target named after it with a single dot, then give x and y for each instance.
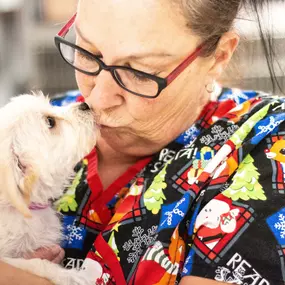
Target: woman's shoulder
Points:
(245, 103)
(238, 95)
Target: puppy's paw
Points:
(53, 272)
(76, 277)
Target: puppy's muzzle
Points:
(84, 113)
(84, 107)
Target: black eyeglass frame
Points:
(161, 82)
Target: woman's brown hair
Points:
(210, 19)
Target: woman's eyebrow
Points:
(135, 57)
(148, 55)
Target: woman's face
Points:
(148, 35)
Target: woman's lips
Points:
(105, 127)
(108, 126)
(102, 127)
(111, 126)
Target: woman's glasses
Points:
(132, 80)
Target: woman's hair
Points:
(210, 19)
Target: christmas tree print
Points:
(245, 185)
(154, 196)
(67, 202)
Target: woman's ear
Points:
(223, 54)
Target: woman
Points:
(186, 182)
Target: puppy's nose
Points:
(84, 107)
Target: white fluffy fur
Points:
(36, 163)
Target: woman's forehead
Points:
(129, 26)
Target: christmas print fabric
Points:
(210, 204)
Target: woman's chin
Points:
(125, 142)
(117, 137)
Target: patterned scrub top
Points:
(210, 204)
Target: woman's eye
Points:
(140, 77)
(50, 122)
(84, 56)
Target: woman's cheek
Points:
(84, 83)
(141, 109)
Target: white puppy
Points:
(39, 146)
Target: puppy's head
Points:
(39, 146)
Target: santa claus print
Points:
(219, 222)
(214, 221)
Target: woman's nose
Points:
(106, 93)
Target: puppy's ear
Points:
(26, 185)
(11, 189)
(10, 173)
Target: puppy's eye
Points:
(51, 122)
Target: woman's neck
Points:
(108, 155)
(112, 164)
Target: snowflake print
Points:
(189, 135)
(74, 233)
(272, 124)
(276, 223)
(280, 225)
(218, 134)
(140, 240)
(225, 275)
(73, 236)
(174, 212)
